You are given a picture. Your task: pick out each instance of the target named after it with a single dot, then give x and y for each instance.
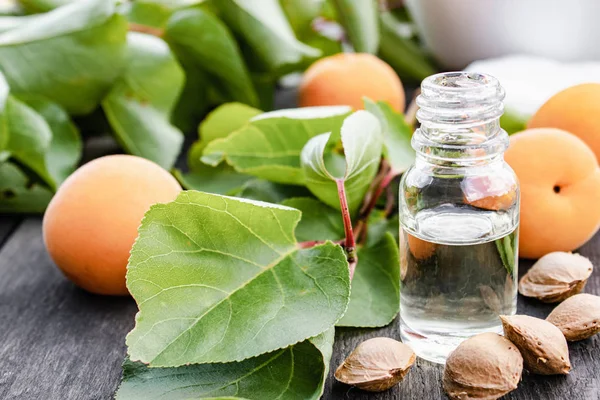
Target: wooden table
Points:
(59, 342)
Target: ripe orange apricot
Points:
(576, 110)
(420, 249)
(560, 190)
(345, 78)
(91, 223)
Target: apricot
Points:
(420, 249)
(345, 78)
(560, 190)
(576, 110)
(91, 223)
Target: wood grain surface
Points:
(61, 343)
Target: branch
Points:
(411, 112)
(150, 30)
(349, 243)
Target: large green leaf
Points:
(139, 105)
(64, 152)
(360, 20)
(71, 55)
(269, 146)
(267, 31)
(206, 40)
(295, 373)
(363, 143)
(398, 50)
(375, 299)
(220, 279)
(397, 135)
(18, 193)
(319, 221)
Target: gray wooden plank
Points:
(423, 382)
(58, 342)
(8, 224)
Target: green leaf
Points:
(42, 6)
(398, 50)
(512, 122)
(375, 298)
(397, 135)
(148, 12)
(226, 119)
(64, 152)
(379, 226)
(269, 146)
(220, 279)
(70, 55)
(139, 105)
(29, 137)
(297, 372)
(267, 31)
(221, 179)
(359, 19)
(270, 192)
(210, 44)
(301, 13)
(319, 221)
(194, 100)
(363, 143)
(19, 194)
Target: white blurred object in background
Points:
(458, 32)
(530, 81)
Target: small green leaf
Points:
(360, 20)
(297, 372)
(379, 226)
(397, 135)
(220, 279)
(301, 13)
(375, 298)
(319, 221)
(397, 49)
(267, 31)
(18, 194)
(194, 100)
(270, 192)
(78, 52)
(66, 147)
(212, 47)
(42, 6)
(269, 146)
(226, 119)
(221, 179)
(29, 137)
(139, 105)
(512, 122)
(363, 143)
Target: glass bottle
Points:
(459, 213)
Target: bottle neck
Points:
(460, 114)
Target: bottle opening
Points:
(459, 114)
